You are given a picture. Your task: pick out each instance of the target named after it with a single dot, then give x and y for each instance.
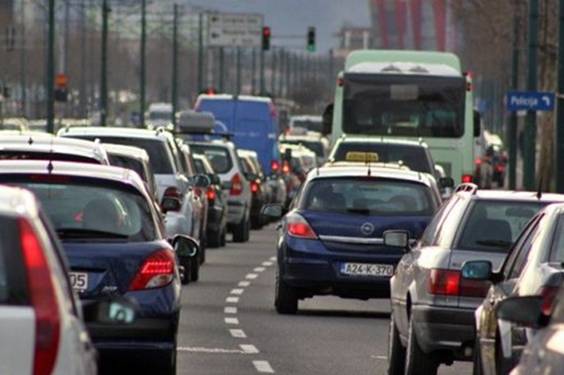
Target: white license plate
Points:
(363, 269)
(79, 281)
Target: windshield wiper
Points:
(495, 243)
(88, 233)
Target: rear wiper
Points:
(88, 233)
(495, 243)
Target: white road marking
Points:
(273, 259)
(233, 321)
(232, 300)
(238, 333)
(244, 283)
(237, 291)
(263, 367)
(267, 264)
(251, 276)
(259, 269)
(249, 349)
(380, 357)
(230, 310)
(191, 349)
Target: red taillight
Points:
(255, 187)
(478, 161)
(275, 166)
(299, 227)
(286, 168)
(211, 194)
(236, 185)
(444, 282)
(548, 294)
(467, 178)
(155, 272)
(44, 300)
(500, 168)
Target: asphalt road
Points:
(229, 325)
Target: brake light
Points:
(44, 300)
(211, 194)
(286, 168)
(157, 271)
(548, 294)
(299, 227)
(255, 187)
(478, 161)
(444, 282)
(236, 185)
(467, 178)
(275, 165)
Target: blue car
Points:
(113, 238)
(331, 242)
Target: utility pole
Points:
(273, 63)
(531, 119)
(23, 62)
(51, 69)
(104, 64)
(221, 84)
(261, 73)
(560, 109)
(512, 126)
(82, 94)
(200, 52)
(142, 70)
(253, 70)
(174, 65)
(238, 78)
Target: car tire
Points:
(396, 351)
(256, 222)
(239, 231)
(477, 358)
(247, 230)
(194, 269)
(223, 242)
(214, 240)
(416, 361)
(286, 298)
(501, 365)
(167, 364)
(185, 276)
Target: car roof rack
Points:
(467, 187)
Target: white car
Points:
(41, 326)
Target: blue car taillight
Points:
(155, 272)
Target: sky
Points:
(293, 17)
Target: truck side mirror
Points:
(327, 120)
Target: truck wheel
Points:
(417, 362)
(286, 299)
(396, 351)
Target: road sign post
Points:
(104, 65)
(512, 126)
(531, 120)
(51, 69)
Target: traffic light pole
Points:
(142, 70)
(512, 126)
(104, 66)
(51, 69)
(560, 109)
(262, 83)
(174, 65)
(253, 70)
(531, 119)
(238, 63)
(221, 84)
(200, 52)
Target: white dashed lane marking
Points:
(232, 300)
(230, 310)
(237, 292)
(238, 333)
(267, 264)
(273, 259)
(251, 276)
(259, 269)
(249, 349)
(244, 283)
(191, 349)
(233, 321)
(263, 367)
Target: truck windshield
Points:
(404, 105)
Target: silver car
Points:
(432, 320)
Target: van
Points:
(252, 121)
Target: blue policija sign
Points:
(530, 101)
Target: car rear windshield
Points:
(414, 157)
(199, 166)
(218, 156)
(160, 155)
(27, 155)
(12, 271)
(90, 209)
(369, 196)
(314, 146)
(493, 226)
(129, 163)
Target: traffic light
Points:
(266, 38)
(61, 88)
(311, 39)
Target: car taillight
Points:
(173, 192)
(275, 166)
(467, 178)
(236, 185)
(444, 282)
(548, 294)
(211, 194)
(255, 187)
(44, 300)
(478, 161)
(156, 271)
(299, 227)
(286, 168)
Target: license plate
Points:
(79, 281)
(363, 269)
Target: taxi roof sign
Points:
(362, 157)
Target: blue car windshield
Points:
(369, 196)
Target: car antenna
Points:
(539, 189)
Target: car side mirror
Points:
(327, 120)
(272, 211)
(114, 311)
(185, 246)
(525, 311)
(446, 182)
(477, 124)
(397, 238)
(477, 270)
(201, 181)
(170, 204)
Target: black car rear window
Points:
(414, 157)
(493, 226)
(12, 271)
(369, 196)
(160, 156)
(218, 156)
(129, 163)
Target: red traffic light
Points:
(266, 31)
